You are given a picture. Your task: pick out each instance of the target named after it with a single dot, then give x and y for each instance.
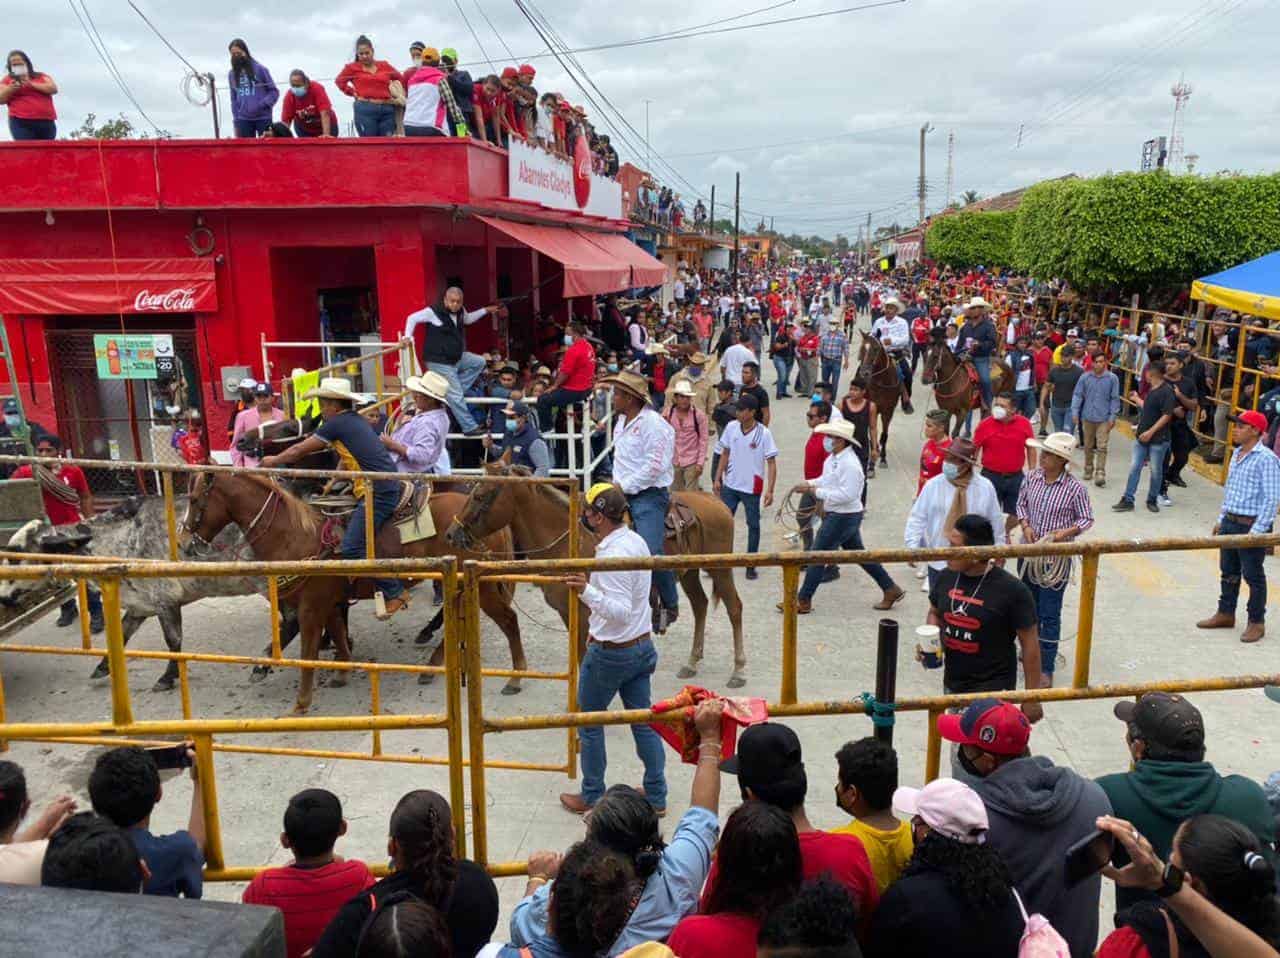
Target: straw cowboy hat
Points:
(333, 387)
(698, 359)
(429, 384)
(656, 349)
(892, 301)
(628, 382)
(977, 303)
(683, 388)
(1060, 444)
(841, 429)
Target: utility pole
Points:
(737, 187)
(711, 221)
(951, 165)
(924, 130)
(867, 248)
(770, 224)
(648, 159)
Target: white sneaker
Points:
(924, 586)
(922, 572)
(1165, 501)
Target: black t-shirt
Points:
(1159, 402)
(1189, 388)
(762, 397)
(1062, 380)
(980, 620)
(782, 346)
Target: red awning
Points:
(103, 286)
(588, 269)
(645, 270)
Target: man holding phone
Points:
(1037, 812)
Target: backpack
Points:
(1039, 938)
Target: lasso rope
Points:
(788, 517)
(1048, 572)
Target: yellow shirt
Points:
(888, 851)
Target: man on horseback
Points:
(358, 447)
(979, 339)
(895, 335)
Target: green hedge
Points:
(1121, 230)
(972, 239)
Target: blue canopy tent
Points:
(1252, 287)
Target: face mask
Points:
(966, 763)
(951, 470)
(417, 61)
(816, 397)
(695, 372)
(568, 339)
(20, 70)
(613, 367)
(1000, 413)
(828, 444)
(511, 425)
(239, 59)
(299, 91)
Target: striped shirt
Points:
(1049, 506)
(1253, 487)
(833, 345)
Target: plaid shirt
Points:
(1253, 487)
(1048, 507)
(833, 345)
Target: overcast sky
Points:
(821, 116)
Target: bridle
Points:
(933, 363)
(197, 506)
(877, 370)
(482, 502)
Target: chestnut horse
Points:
(538, 515)
(883, 386)
(953, 387)
(280, 527)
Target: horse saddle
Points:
(680, 519)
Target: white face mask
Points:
(19, 70)
(999, 412)
(828, 443)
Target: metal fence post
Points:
(475, 717)
(1084, 628)
(369, 530)
(121, 709)
(273, 596)
(790, 582)
(453, 633)
(82, 599)
(575, 627)
(1242, 334)
(170, 517)
(933, 748)
(207, 783)
(886, 672)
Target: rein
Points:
(939, 392)
(198, 506)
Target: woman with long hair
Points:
(759, 869)
(307, 107)
(955, 891)
(369, 82)
(425, 869)
(29, 96)
(1218, 872)
(253, 92)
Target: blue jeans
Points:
(21, 129)
(649, 518)
(375, 119)
(1061, 416)
(1142, 452)
(248, 129)
(353, 542)
(750, 502)
(783, 368)
(1234, 563)
(831, 374)
(607, 671)
(460, 378)
(1049, 612)
(841, 530)
(983, 365)
(1024, 402)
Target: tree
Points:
(972, 239)
(970, 197)
(120, 128)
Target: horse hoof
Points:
(101, 672)
(423, 638)
(259, 673)
(511, 689)
(736, 681)
(686, 672)
(164, 684)
(426, 678)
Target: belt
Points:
(1241, 520)
(592, 640)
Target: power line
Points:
(495, 31)
(479, 45)
(804, 142)
(163, 38)
(105, 56)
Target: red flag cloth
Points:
(683, 737)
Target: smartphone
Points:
(169, 757)
(1089, 856)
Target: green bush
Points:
(972, 239)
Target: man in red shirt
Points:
(310, 890)
(1001, 439)
(575, 379)
(815, 454)
(1043, 356)
(67, 500)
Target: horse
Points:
(278, 527)
(538, 515)
(883, 386)
(954, 389)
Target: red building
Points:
(222, 243)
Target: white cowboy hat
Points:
(841, 429)
(1061, 444)
(977, 303)
(333, 387)
(655, 349)
(892, 301)
(683, 388)
(429, 384)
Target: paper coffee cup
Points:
(927, 636)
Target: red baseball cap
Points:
(508, 73)
(527, 69)
(1251, 418)
(989, 724)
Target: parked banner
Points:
(106, 287)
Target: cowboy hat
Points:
(698, 359)
(841, 429)
(629, 382)
(962, 449)
(429, 384)
(683, 388)
(332, 387)
(892, 301)
(1060, 444)
(655, 349)
(977, 303)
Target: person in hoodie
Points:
(1036, 811)
(1171, 782)
(425, 112)
(253, 92)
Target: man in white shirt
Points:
(734, 358)
(956, 492)
(620, 656)
(839, 489)
(444, 350)
(748, 469)
(894, 333)
(677, 290)
(644, 449)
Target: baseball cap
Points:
(417, 45)
(263, 389)
(1251, 418)
(527, 70)
(767, 754)
(430, 55)
(989, 724)
(516, 407)
(950, 808)
(248, 383)
(1164, 720)
(450, 54)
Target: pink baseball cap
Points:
(950, 808)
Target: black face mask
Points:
(966, 763)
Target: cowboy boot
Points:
(1219, 620)
(1253, 632)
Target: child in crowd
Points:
(310, 889)
(867, 779)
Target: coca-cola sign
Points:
(179, 300)
(582, 172)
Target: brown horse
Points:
(538, 515)
(953, 388)
(883, 386)
(280, 527)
